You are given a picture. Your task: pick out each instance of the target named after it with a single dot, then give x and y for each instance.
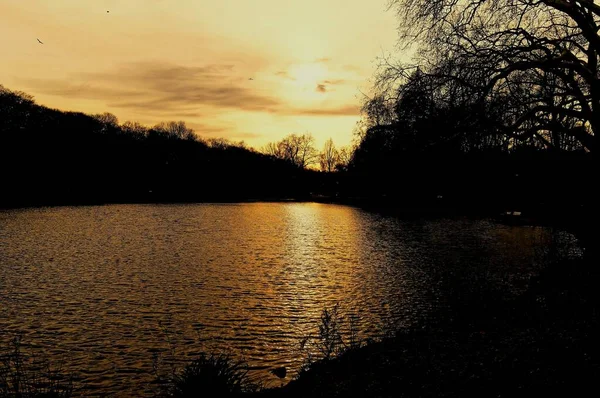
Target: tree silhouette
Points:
(54, 157)
(298, 150)
(511, 51)
(329, 158)
(175, 130)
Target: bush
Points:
(329, 342)
(213, 375)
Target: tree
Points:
(109, 121)
(512, 52)
(298, 150)
(273, 149)
(135, 129)
(344, 158)
(176, 130)
(328, 159)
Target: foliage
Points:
(54, 157)
(537, 59)
(215, 375)
(495, 110)
(298, 150)
(26, 376)
(329, 342)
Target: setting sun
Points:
(308, 75)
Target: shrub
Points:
(329, 342)
(213, 375)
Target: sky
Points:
(245, 70)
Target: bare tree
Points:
(328, 159)
(511, 51)
(109, 121)
(344, 157)
(136, 129)
(107, 118)
(299, 150)
(178, 130)
(273, 149)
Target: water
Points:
(103, 290)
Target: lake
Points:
(106, 291)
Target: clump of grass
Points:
(329, 342)
(25, 376)
(213, 375)
(207, 375)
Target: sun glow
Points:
(308, 75)
(244, 70)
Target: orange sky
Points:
(192, 60)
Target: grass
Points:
(213, 375)
(542, 343)
(24, 375)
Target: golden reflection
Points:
(248, 278)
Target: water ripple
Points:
(105, 289)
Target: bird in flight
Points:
(250, 79)
(39, 41)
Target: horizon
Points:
(224, 74)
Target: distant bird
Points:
(279, 372)
(250, 79)
(39, 41)
(107, 12)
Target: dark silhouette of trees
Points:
(344, 156)
(175, 130)
(329, 158)
(539, 59)
(135, 129)
(53, 157)
(298, 150)
(429, 141)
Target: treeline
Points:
(300, 151)
(418, 148)
(54, 157)
(489, 112)
(421, 146)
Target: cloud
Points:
(284, 74)
(163, 91)
(344, 110)
(353, 69)
(62, 88)
(323, 86)
(203, 129)
(162, 88)
(212, 131)
(246, 136)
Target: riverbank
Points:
(544, 342)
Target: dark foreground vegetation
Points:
(24, 375)
(540, 344)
